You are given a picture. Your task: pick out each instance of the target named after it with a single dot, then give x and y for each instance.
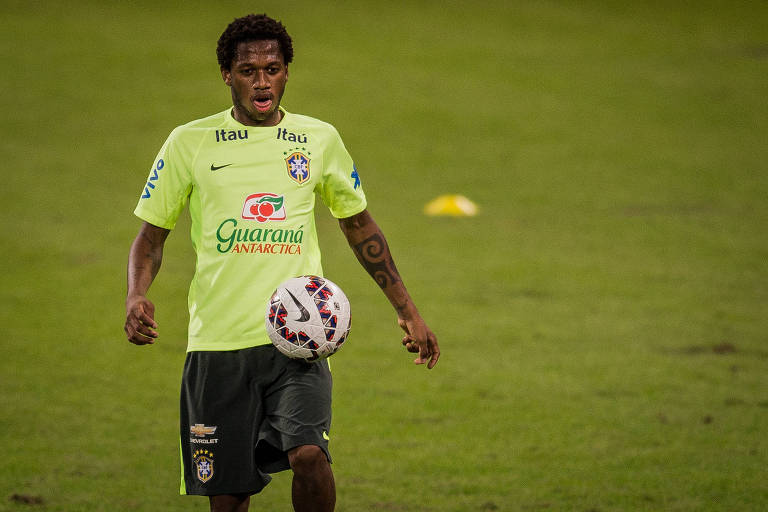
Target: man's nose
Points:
(260, 80)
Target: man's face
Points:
(257, 79)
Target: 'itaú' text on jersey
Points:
(251, 194)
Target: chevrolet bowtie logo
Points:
(200, 430)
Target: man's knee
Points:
(307, 458)
(229, 502)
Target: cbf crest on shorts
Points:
(203, 460)
(298, 167)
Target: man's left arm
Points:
(369, 245)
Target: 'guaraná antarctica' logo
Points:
(245, 239)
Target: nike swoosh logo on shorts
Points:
(217, 167)
(304, 313)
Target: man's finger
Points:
(139, 339)
(148, 320)
(147, 332)
(434, 351)
(423, 351)
(144, 317)
(433, 360)
(410, 344)
(144, 327)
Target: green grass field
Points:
(603, 320)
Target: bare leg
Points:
(314, 489)
(230, 503)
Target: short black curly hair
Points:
(253, 27)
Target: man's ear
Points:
(226, 75)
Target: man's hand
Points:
(140, 324)
(419, 338)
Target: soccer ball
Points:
(308, 318)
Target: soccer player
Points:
(250, 175)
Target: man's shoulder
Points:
(202, 125)
(312, 123)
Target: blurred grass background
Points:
(603, 320)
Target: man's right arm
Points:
(143, 264)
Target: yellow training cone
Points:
(452, 205)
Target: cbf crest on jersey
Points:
(298, 167)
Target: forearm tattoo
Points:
(374, 255)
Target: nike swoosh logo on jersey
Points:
(217, 167)
(304, 313)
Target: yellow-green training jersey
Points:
(251, 194)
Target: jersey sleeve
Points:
(168, 185)
(340, 188)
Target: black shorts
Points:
(242, 410)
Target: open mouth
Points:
(262, 103)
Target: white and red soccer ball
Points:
(308, 318)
